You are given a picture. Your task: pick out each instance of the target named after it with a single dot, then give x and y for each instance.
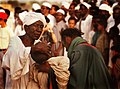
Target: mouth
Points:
(37, 36)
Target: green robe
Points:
(87, 67)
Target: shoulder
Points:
(86, 48)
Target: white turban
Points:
(1, 10)
(61, 11)
(33, 17)
(47, 4)
(86, 5)
(65, 4)
(36, 6)
(22, 15)
(106, 8)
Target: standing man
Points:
(57, 48)
(5, 34)
(85, 20)
(87, 67)
(45, 10)
(17, 60)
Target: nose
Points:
(40, 29)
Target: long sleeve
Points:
(16, 58)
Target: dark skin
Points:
(33, 32)
(116, 16)
(83, 10)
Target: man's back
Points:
(88, 70)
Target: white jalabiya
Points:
(111, 23)
(52, 20)
(85, 27)
(5, 34)
(16, 61)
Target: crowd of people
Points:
(72, 46)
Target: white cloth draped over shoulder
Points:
(60, 65)
(17, 61)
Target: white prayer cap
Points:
(47, 4)
(36, 6)
(1, 10)
(86, 5)
(22, 15)
(66, 4)
(61, 11)
(33, 17)
(106, 8)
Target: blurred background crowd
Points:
(98, 21)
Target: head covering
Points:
(106, 8)
(66, 4)
(32, 17)
(116, 7)
(114, 4)
(61, 11)
(47, 4)
(36, 6)
(3, 15)
(22, 15)
(86, 5)
(1, 10)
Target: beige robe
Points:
(60, 65)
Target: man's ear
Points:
(26, 27)
(68, 40)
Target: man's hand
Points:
(42, 47)
(44, 67)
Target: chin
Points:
(36, 38)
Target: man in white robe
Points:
(17, 59)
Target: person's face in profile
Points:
(66, 41)
(34, 30)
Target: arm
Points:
(53, 36)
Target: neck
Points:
(102, 31)
(84, 17)
(27, 41)
(46, 14)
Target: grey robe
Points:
(87, 67)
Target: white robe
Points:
(16, 61)
(86, 26)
